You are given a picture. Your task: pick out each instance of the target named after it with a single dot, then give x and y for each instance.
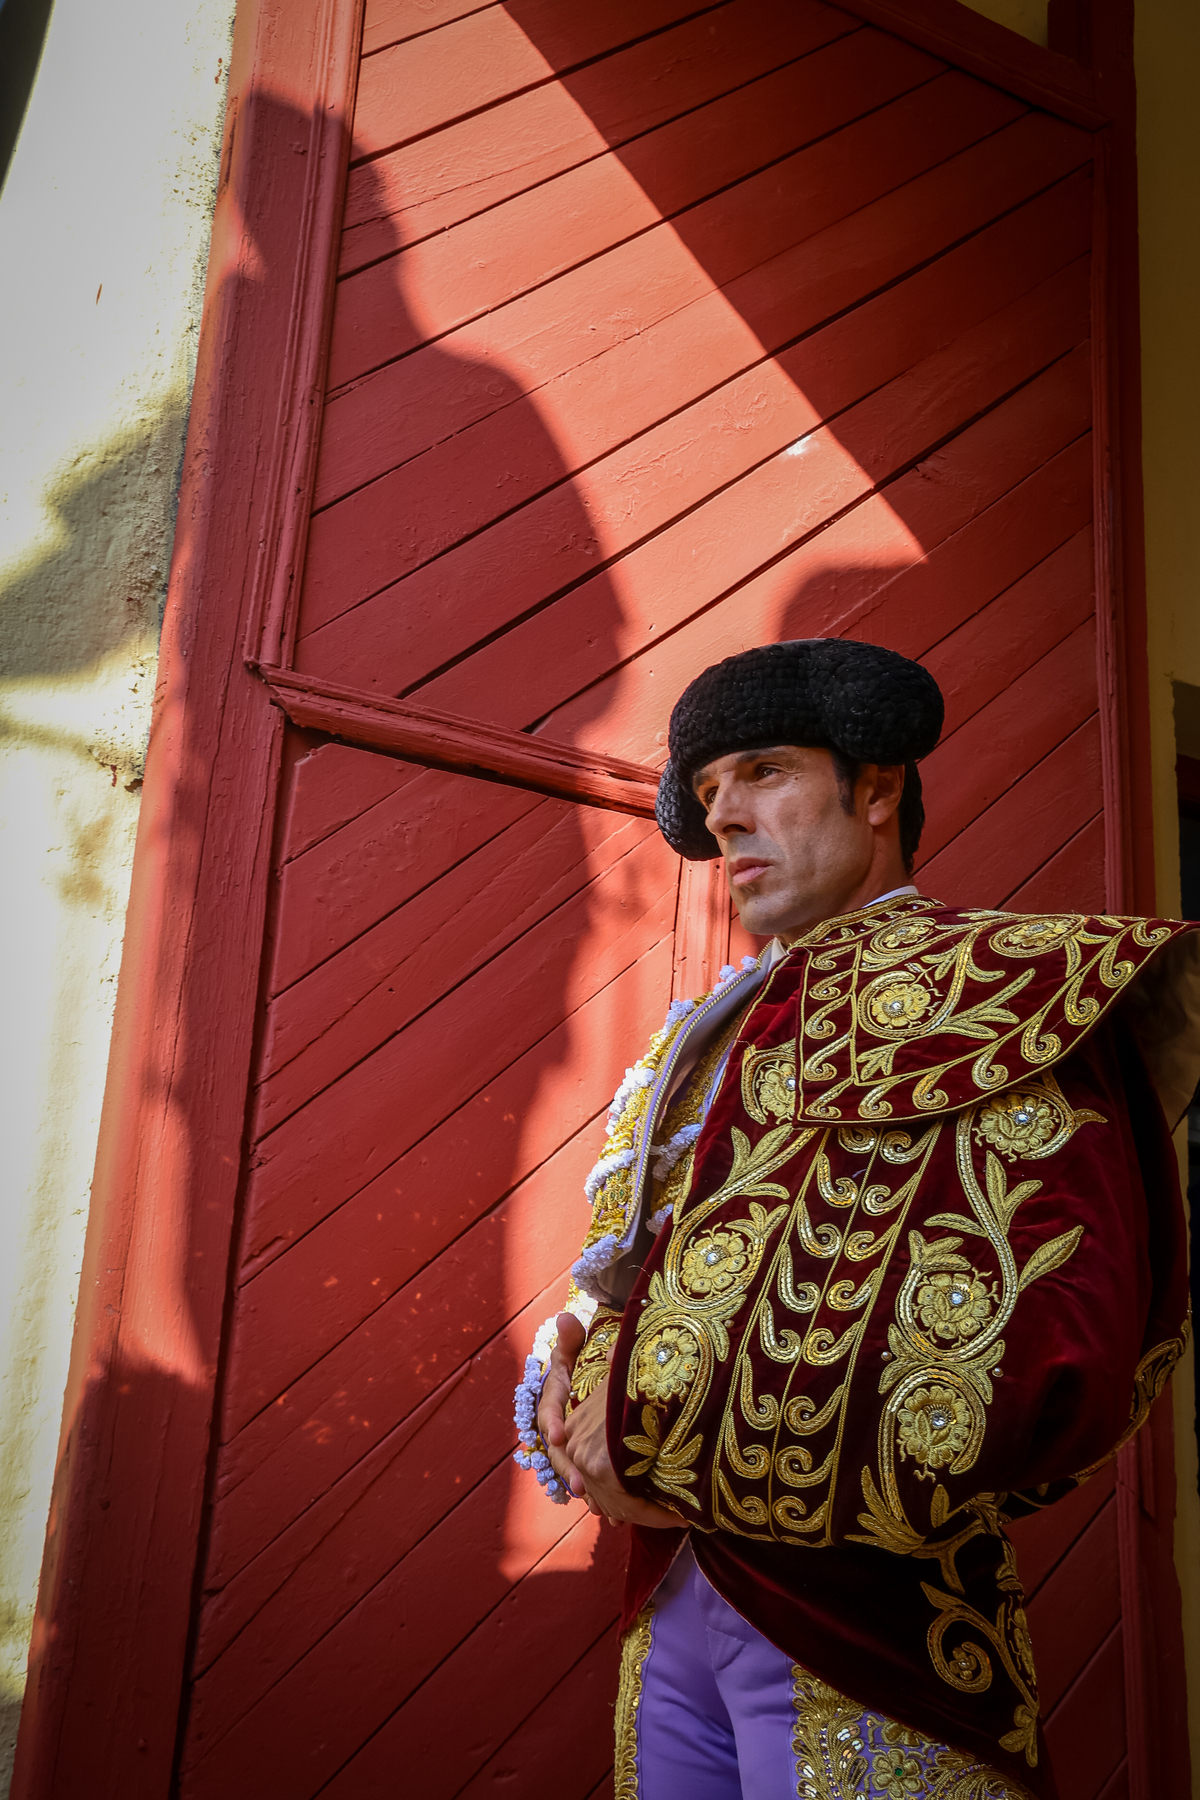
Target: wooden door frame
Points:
(120, 1572)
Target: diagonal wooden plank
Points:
(417, 514)
(389, 854)
(1043, 1538)
(307, 1299)
(358, 1127)
(985, 537)
(1085, 1733)
(877, 200)
(1072, 880)
(975, 766)
(423, 291)
(268, 1610)
(331, 786)
(471, 62)
(790, 496)
(1017, 834)
(587, 1695)
(484, 160)
(336, 1411)
(551, 1603)
(361, 997)
(1076, 1607)
(310, 1721)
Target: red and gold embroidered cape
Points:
(929, 1271)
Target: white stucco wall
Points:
(1026, 16)
(104, 223)
(1167, 50)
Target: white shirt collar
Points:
(777, 949)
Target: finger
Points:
(563, 1467)
(582, 1420)
(556, 1391)
(556, 1388)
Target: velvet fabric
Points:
(908, 1297)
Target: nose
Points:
(726, 815)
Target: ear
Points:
(883, 784)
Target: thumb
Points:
(571, 1335)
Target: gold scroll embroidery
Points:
(635, 1648)
(945, 1347)
(698, 1316)
(844, 1751)
(1150, 1378)
(966, 1665)
(881, 979)
(591, 1365)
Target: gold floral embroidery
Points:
(798, 1481)
(895, 1006)
(953, 1306)
(672, 1304)
(612, 1206)
(934, 1426)
(827, 1740)
(769, 1082)
(1031, 1122)
(713, 1262)
(667, 1363)
(897, 1773)
(635, 1648)
(670, 1463)
(1036, 936)
(1018, 1123)
(845, 1751)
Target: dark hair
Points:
(910, 813)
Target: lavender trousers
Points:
(710, 1710)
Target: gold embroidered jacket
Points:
(928, 1272)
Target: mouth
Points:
(747, 870)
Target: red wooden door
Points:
(659, 331)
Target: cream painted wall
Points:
(1168, 57)
(1026, 16)
(1167, 53)
(104, 223)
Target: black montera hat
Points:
(860, 699)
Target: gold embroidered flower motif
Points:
(775, 1090)
(898, 1004)
(896, 1774)
(1037, 934)
(899, 937)
(934, 1426)
(713, 1262)
(1018, 1123)
(667, 1363)
(954, 1306)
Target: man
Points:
(887, 1249)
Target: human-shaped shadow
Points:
(445, 957)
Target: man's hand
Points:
(592, 1476)
(556, 1391)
